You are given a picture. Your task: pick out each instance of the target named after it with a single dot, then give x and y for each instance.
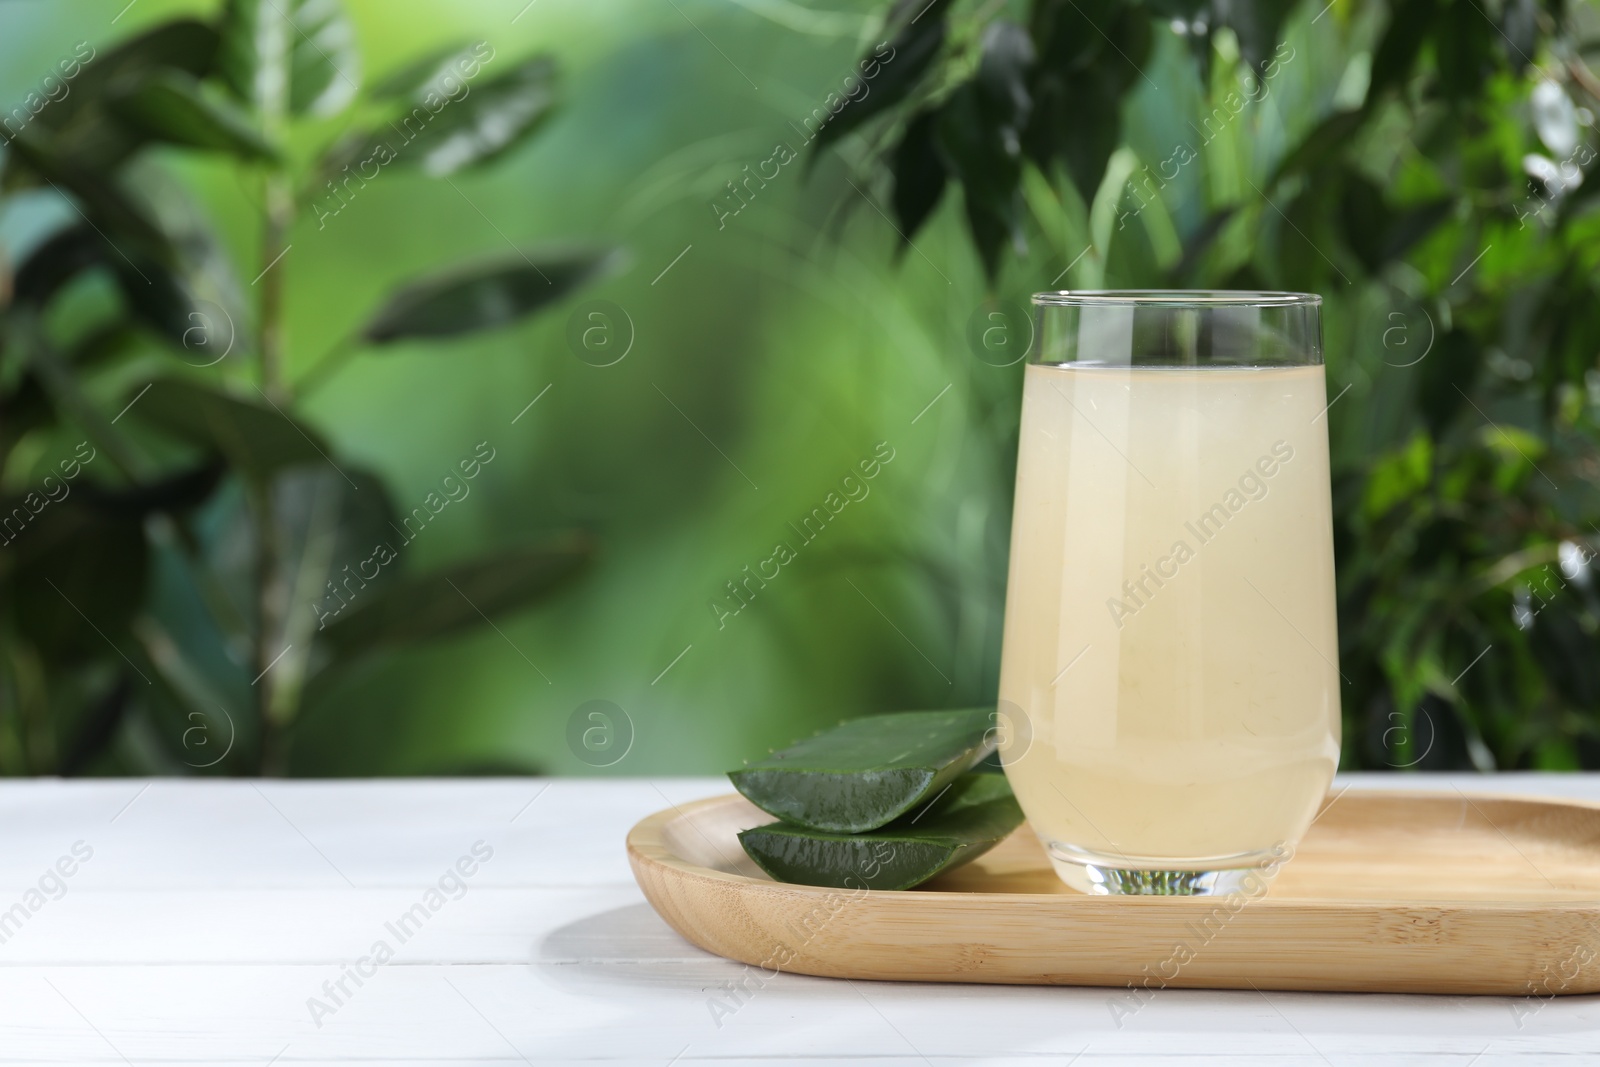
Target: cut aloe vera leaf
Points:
(973, 816)
(868, 772)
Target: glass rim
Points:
(1174, 298)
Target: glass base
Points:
(1139, 876)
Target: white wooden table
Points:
(211, 919)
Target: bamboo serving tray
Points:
(1389, 892)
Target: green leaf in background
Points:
(1003, 68)
(917, 32)
(1409, 22)
(256, 437)
(975, 814)
(1377, 233)
(168, 105)
(484, 294)
(102, 345)
(1447, 378)
(981, 135)
(75, 571)
(919, 175)
(127, 225)
(428, 73)
(1087, 151)
(80, 129)
(1064, 32)
(867, 772)
(1329, 137)
(1256, 26)
(327, 524)
(153, 294)
(55, 262)
(1464, 48)
(186, 45)
(448, 131)
(1090, 51)
(179, 491)
(1399, 476)
(313, 37)
(324, 64)
(1519, 31)
(24, 407)
(457, 598)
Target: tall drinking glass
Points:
(1170, 656)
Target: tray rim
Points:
(646, 845)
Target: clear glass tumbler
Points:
(1170, 664)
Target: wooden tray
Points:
(1389, 892)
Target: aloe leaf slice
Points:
(973, 816)
(868, 772)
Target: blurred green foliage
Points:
(225, 525)
(1427, 166)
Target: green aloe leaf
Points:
(868, 772)
(168, 105)
(974, 815)
(448, 601)
(485, 294)
(313, 39)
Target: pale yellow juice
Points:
(1170, 646)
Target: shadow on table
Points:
(628, 946)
